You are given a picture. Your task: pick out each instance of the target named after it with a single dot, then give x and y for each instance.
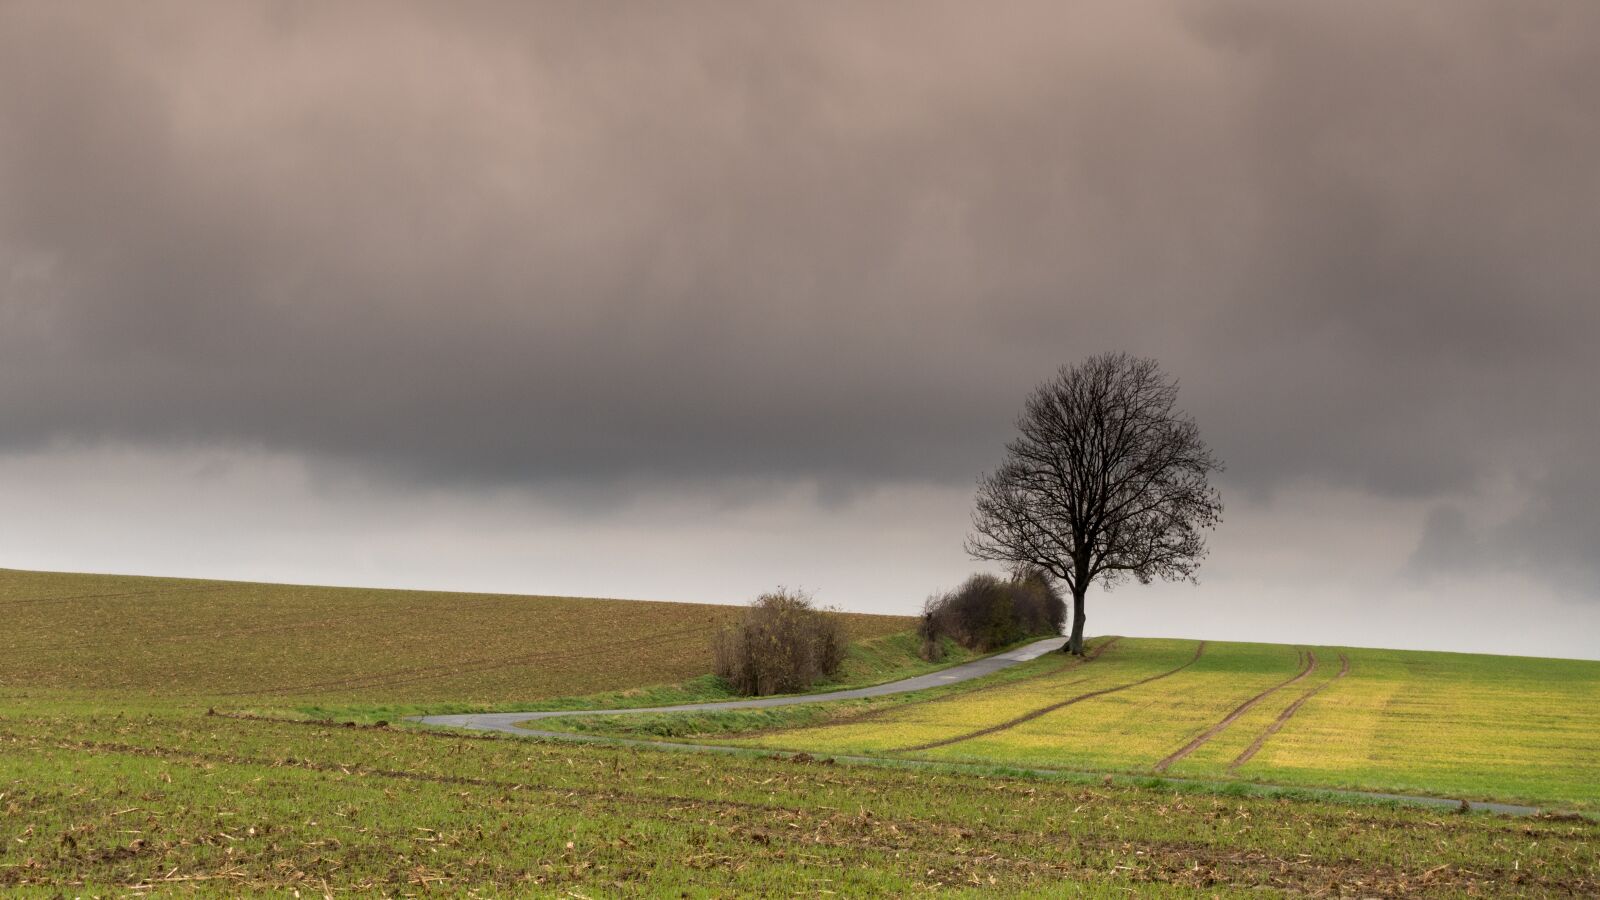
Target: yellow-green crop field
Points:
(155, 800)
(1460, 725)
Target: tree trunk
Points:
(1075, 643)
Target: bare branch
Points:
(1105, 479)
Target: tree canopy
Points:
(1105, 480)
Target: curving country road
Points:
(507, 723)
(978, 668)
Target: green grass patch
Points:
(868, 661)
(708, 724)
(161, 799)
(739, 727)
(1492, 728)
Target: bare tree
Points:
(1106, 480)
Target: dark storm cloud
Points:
(581, 244)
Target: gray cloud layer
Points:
(584, 245)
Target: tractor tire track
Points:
(155, 592)
(46, 643)
(1030, 716)
(1344, 669)
(1230, 718)
(873, 714)
(449, 670)
(359, 770)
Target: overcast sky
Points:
(684, 301)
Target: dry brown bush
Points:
(784, 643)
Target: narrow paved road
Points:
(978, 668)
(507, 722)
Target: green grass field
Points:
(111, 803)
(154, 737)
(1481, 727)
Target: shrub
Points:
(783, 643)
(986, 612)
